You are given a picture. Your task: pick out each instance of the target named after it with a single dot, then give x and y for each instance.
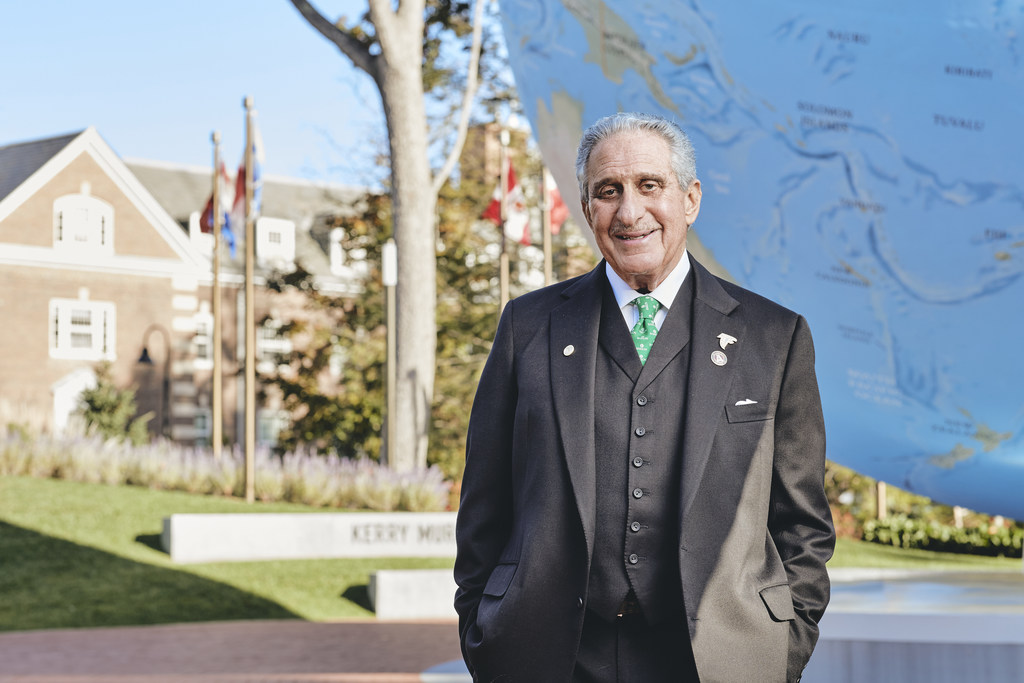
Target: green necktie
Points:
(644, 331)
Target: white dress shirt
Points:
(665, 293)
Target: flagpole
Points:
(250, 318)
(216, 417)
(545, 212)
(503, 183)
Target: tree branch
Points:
(467, 100)
(352, 48)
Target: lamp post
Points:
(389, 275)
(145, 359)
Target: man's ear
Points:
(586, 212)
(693, 195)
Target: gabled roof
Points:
(183, 190)
(27, 166)
(22, 159)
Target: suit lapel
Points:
(672, 337)
(615, 339)
(573, 358)
(709, 382)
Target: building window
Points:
(273, 349)
(275, 241)
(202, 342)
(269, 425)
(336, 251)
(202, 421)
(83, 222)
(82, 330)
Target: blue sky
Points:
(156, 79)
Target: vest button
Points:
(638, 493)
(634, 558)
(579, 603)
(635, 526)
(638, 461)
(640, 431)
(641, 400)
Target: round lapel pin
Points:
(568, 350)
(719, 358)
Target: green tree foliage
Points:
(346, 415)
(399, 46)
(110, 412)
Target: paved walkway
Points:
(258, 651)
(912, 615)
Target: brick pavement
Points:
(233, 652)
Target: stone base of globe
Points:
(889, 626)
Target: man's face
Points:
(637, 210)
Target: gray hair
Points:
(684, 160)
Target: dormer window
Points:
(83, 222)
(275, 241)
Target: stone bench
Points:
(239, 537)
(413, 594)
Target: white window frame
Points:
(203, 339)
(68, 329)
(275, 241)
(271, 346)
(83, 222)
(269, 425)
(336, 252)
(202, 422)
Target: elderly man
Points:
(643, 497)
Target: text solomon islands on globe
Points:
(863, 164)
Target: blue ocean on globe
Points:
(863, 164)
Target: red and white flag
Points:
(238, 210)
(225, 199)
(557, 209)
(517, 217)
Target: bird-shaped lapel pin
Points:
(717, 357)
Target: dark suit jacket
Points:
(755, 529)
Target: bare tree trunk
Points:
(397, 72)
(414, 202)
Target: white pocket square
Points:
(746, 402)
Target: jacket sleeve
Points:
(485, 510)
(800, 521)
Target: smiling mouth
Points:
(629, 237)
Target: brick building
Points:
(102, 259)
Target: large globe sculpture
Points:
(862, 163)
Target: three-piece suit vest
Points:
(638, 424)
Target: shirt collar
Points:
(665, 293)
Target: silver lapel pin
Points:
(725, 339)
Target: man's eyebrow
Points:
(642, 177)
(600, 182)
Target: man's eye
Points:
(649, 186)
(607, 192)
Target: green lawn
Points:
(850, 553)
(79, 555)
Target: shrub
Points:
(110, 412)
(300, 477)
(904, 532)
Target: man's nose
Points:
(630, 208)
